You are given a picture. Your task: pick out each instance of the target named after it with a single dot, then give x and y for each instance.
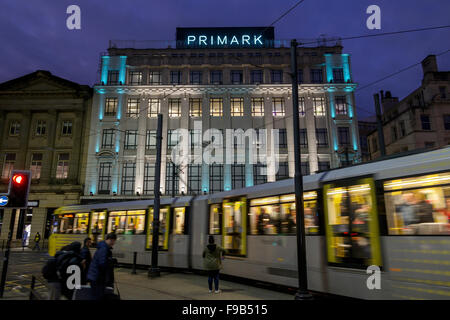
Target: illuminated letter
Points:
(222, 41)
(74, 20)
(212, 40)
(190, 39)
(257, 39)
(202, 39)
(234, 39)
(374, 21)
(245, 38)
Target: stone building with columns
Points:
(223, 87)
(44, 123)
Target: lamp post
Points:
(302, 293)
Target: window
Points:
(98, 220)
(36, 165)
(113, 77)
(14, 128)
(418, 205)
(259, 173)
(236, 77)
(174, 108)
(319, 106)
(135, 78)
(338, 75)
(276, 76)
(301, 106)
(343, 136)
(237, 176)
(196, 77)
(322, 137)
(258, 107)
(303, 138)
(110, 107)
(108, 138)
(215, 178)
(164, 216)
(216, 77)
(234, 219)
(447, 122)
(215, 219)
(133, 108)
(256, 76)
(237, 107)
(67, 128)
(175, 77)
(149, 178)
(283, 171)
(195, 107)
(282, 138)
(324, 165)
(300, 76)
(126, 222)
(278, 107)
(128, 178)
(277, 215)
(41, 126)
(80, 223)
(194, 178)
(154, 107)
(195, 137)
(130, 139)
(426, 122)
(179, 215)
(216, 107)
(62, 169)
(316, 76)
(154, 77)
(150, 139)
(402, 128)
(304, 166)
(393, 133)
(8, 167)
(171, 176)
(104, 178)
(341, 105)
(172, 138)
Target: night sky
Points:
(34, 35)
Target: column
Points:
(140, 152)
(268, 123)
(311, 134)
(205, 126)
(165, 113)
(184, 124)
(290, 137)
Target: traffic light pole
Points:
(6, 257)
(302, 293)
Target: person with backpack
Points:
(101, 270)
(212, 260)
(87, 258)
(69, 256)
(37, 238)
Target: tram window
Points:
(352, 227)
(117, 222)
(215, 218)
(65, 223)
(179, 218)
(418, 205)
(81, 223)
(234, 219)
(163, 228)
(277, 215)
(97, 222)
(135, 222)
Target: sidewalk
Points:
(180, 286)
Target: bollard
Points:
(33, 282)
(133, 271)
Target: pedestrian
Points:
(37, 238)
(87, 258)
(101, 270)
(212, 260)
(69, 256)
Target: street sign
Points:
(3, 201)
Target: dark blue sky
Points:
(34, 36)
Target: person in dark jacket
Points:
(69, 256)
(87, 258)
(212, 258)
(37, 239)
(101, 270)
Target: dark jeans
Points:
(213, 275)
(97, 291)
(36, 245)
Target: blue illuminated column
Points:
(349, 104)
(331, 100)
(122, 69)
(329, 66)
(105, 68)
(227, 177)
(120, 103)
(205, 177)
(346, 67)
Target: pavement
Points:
(169, 286)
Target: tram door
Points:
(352, 224)
(234, 226)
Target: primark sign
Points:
(252, 37)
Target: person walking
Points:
(87, 258)
(69, 257)
(37, 238)
(101, 270)
(212, 261)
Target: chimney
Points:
(429, 64)
(388, 101)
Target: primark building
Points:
(216, 78)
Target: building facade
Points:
(419, 121)
(199, 88)
(44, 123)
(365, 128)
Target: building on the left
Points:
(44, 127)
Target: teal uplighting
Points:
(105, 66)
(93, 187)
(101, 107)
(332, 109)
(122, 70)
(117, 140)
(329, 66)
(355, 143)
(335, 143)
(346, 66)
(119, 106)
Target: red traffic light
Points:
(18, 178)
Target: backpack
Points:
(49, 271)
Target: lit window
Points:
(216, 107)
(130, 139)
(62, 169)
(36, 165)
(67, 128)
(104, 178)
(301, 106)
(150, 141)
(341, 105)
(174, 108)
(258, 107)
(133, 108)
(215, 178)
(14, 128)
(237, 107)
(195, 107)
(108, 138)
(41, 127)
(135, 78)
(110, 106)
(10, 160)
(128, 178)
(319, 107)
(154, 108)
(154, 77)
(278, 107)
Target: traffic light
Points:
(19, 186)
